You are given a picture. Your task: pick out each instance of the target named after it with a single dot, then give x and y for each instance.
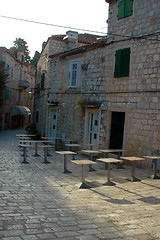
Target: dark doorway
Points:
(117, 129)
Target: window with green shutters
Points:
(125, 8)
(122, 63)
(8, 95)
(42, 80)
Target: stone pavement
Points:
(38, 201)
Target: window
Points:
(42, 80)
(73, 74)
(8, 95)
(12, 72)
(21, 98)
(122, 63)
(37, 117)
(7, 69)
(17, 96)
(125, 8)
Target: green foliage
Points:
(80, 104)
(20, 43)
(35, 58)
(3, 78)
(32, 130)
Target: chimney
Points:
(71, 39)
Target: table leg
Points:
(45, 156)
(36, 150)
(73, 156)
(48, 154)
(25, 155)
(91, 169)
(119, 165)
(109, 183)
(84, 184)
(106, 165)
(65, 165)
(155, 176)
(23, 150)
(133, 178)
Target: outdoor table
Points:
(45, 152)
(21, 138)
(25, 146)
(84, 163)
(109, 161)
(25, 135)
(36, 145)
(154, 159)
(90, 153)
(90, 145)
(48, 138)
(65, 153)
(133, 160)
(71, 146)
(106, 151)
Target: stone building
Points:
(17, 107)
(133, 67)
(55, 44)
(108, 92)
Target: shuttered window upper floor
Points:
(125, 8)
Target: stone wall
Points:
(144, 20)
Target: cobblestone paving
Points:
(38, 201)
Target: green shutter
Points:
(42, 80)
(128, 8)
(10, 96)
(7, 94)
(117, 71)
(125, 64)
(121, 5)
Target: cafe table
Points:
(154, 160)
(83, 163)
(71, 146)
(90, 153)
(107, 151)
(133, 161)
(25, 146)
(25, 135)
(51, 139)
(36, 144)
(65, 153)
(109, 161)
(23, 138)
(46, 146)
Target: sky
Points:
(84, 14)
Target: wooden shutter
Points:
(42, 80)
(128, 8)
(6, 95)
(125, 64)
(117, 71)
(121, 6)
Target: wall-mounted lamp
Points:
(30, 94)
(103, 106)
(129, 105)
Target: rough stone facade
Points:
(21, 78)
(129, 103)
(56, 44)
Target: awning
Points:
(20, 110)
